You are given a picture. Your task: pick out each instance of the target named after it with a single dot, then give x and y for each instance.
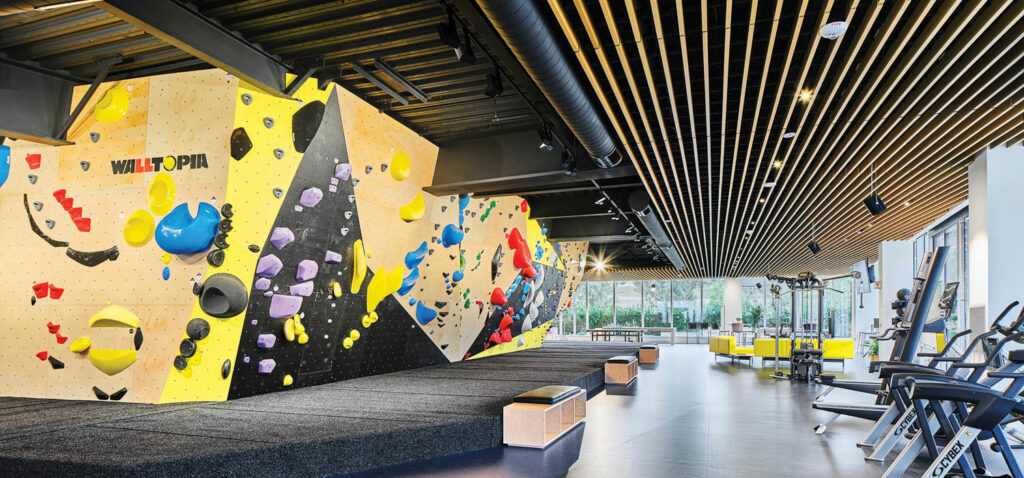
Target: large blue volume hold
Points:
(179, 233)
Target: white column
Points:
(732, 302)
(895, 271)
(995, 191)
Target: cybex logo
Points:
(949, 458)
(904, 424)
(167, 163)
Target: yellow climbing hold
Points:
(138, 228)
(289, 330)
(161, 194)
(303, 338)
(168, 163)
(114, 316)
(165, 258)
(395, 277)
(400, 166)
(347, 343)
(113, 106)
(299, 328)
(373, 317)
(335, 288)
(367, 322)
(111, 361)
(414, 210)
(288, 380)
(354, 334)
(80, 345)
(358, 265)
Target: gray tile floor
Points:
(691, 416)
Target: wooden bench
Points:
(649, 353)
(630, 332)
(620, 370)
(537, 418)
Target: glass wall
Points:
(754, 304)
(600, 305)
(657, 303)
(628, 303)
(685, 303)
(661, 303)
(951, 233)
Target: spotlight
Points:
(448, 32)
(464, 52)
(790, 134)
(769, 184)
(599, 264)
(831, 31)
(600, 201)
(652, 285)
(494, 86)
(568, 163)
(805, 95)
(814, 247)
(874, 204)
(546, 143)
(777, 164)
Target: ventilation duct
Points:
(641, 205)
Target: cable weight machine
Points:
(805, 360)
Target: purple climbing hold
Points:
(304, 289)
(266, 341)
(307, 270)
(268, 293)
(334, 181)
(343, 171)
(281, 236)
(332, 188)
(282, 306)
(262, 283)
(311, 197)
(267, 366)
(268, 266)
(332, 257)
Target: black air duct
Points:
(522, 26)
(641, 205)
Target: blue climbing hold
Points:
(180, 233)
(540, 252)
(451, 235)
(463, 202)
(5, 163)
(409, 282)
(167, 273)
(414, 258)
(543, 231)
(457, 275)
(424, 314)
(412, 301)
(526, 288)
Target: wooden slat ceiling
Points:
(701, 94)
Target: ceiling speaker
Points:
(874, 204)
(814, 247)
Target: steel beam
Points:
(35, 104)
(203, 38)
(599, 230)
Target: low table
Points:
(628, 332)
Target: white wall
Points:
(732, 301)
(864, 317)
(895, 271)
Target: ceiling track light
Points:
(449, 32)
(464, 52)
(494, 86)
(813, 246)
(600, 201)
(873, 202)
(546, 143)
(569, 163)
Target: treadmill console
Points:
(948, 299)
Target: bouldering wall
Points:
(202, 240)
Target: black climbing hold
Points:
(100, 394)
(33, 300)
(254, 248)
(246, 99)
(138, 339)
(84, 165)
(437, 226)
(215, 257)
(223, 295)
(118, 394)
(225, 225)
(197, 329)
(444, 208)
(240, 143)
(440, 304)
(56, 364)
(369, 169)
(35, 227)
(94, 136)
(278, 153)
(443, 313)
(50, 223)
(180, 363)
(226, 210)
(355, 181)
(444, 274)
(268, 122)
(383, 167)
(305, 124)
(187, 348)
(444, 346)
(38, 205)
(430, 252)
(221, 241)
(90, 259)
(196, 288)
(225, 369)
(32, 178)
(278, 192)
(495, 263)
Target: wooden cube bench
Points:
(620, 370)
(537, 418)
(649, 354)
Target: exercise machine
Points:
(805, 359)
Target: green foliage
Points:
(872, 348)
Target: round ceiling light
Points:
(833, 30)
(788, 134)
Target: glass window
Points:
(628, 303)
(839, 308)
(685, 303)
(753, 306)
(657, 305)
(600, 303)
(574, 318)
(713, 289)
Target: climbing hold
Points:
(304, 289)
(41, 289)
(114, 316)
(343, 171)
(56, 364)
(84, 165)
(95, 137)
(311, 196)
(282, 306)
(197, 329)
(409, 281)
(93, 258)
(42, 355)
(353, 334)
(306, 270)
(262, 283)
(358, 265)
(344, 231)
(266, 341)
(287, 380)
(225, 369)
(225, 225)
(400, 166)
(100, 394)
(112, 106)
(215, 258)
(289, 329)
(221, 240)
(413, 259)
(457, 275)
(366, 321)
(424, 314)
(32, 178)
(335, 289)
(451, 235)
(254, 248)
(305, 123)
(268, 122)
(180, 363)
(138, 228)
(278, 192)
(498, 297)
(180, 233)
(302, 338)
(165, 258)
(111, 361)
(187, 348)
(281, 236)
(226, 210)
(240, 143)
(119, 394)
(332, 257)
(347, 214)
(266, 366)
(414, 210)
(268, 266)
(223, 295)
(80, 345)
(37, 205)
(166, 273)
(50, 223)
(246, 99)
(369, 169)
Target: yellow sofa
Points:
(765, 348)
(838, 349)
(726, 345)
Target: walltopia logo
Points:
(148, 165)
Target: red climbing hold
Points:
(67, 203)
(498, 297)
(506, 322)
(52, 327)
(33, 160)
(506, 335)
(60, 194)
(515, 238)
(61, 339)
(467, 355)
(524, 206)
(479, 303)
(55, 292)
(529, 271)
(42, 355)
(75, 212)
(496, 338)
(41, 289)
(83, 224)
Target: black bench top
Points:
(622, 359)
(649, 346)
(549, 394)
